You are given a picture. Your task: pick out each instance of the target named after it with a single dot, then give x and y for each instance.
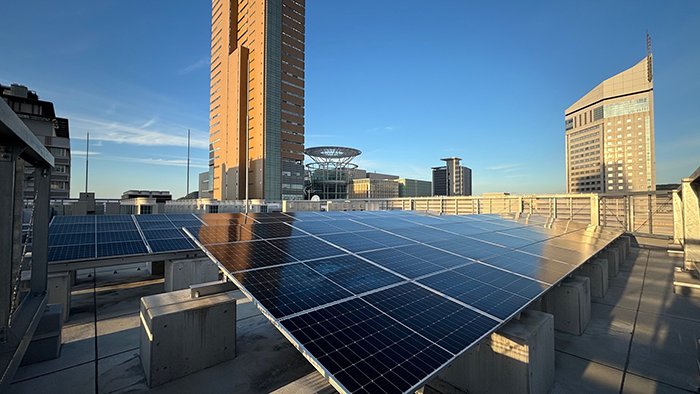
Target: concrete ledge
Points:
(518, 358)
(181, 274)
(181, 335)
(597, 271)
(570, 303)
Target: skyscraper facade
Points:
(52, 131)
(256, 129)
(452, 179)
(610, 135)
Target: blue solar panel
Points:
(118, 236)
(353, 274)
(303, 288)
(71, 252)
(71, 239)
(163, 234)
(114, 226)
(175, 244)
(401, 263)
(121, 248)
(365, 350)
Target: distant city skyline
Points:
(485, 82)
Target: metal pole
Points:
(87, 153)
(188, 162)
(247, 135)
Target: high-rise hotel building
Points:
(610, 135)
(257, 99)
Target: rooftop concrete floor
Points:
(641, 339)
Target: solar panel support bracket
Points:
(209, 288)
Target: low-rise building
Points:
(414, 188)
(373, 188)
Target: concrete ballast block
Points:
(180, 274)
(46, 341)
(612, 256)
(597, 271)
(518, 358)
(58, 284)
(570, 303)
(181, 335)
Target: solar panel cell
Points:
(118, 236)
(290, 288)
(306, 248)
(175, 244)
(121, 248)
(353, 273)
(248, 255)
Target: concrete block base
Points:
(685, 283)
(597, 271)
(180, 274)
(621, 245)
(46, 341)
(58, 284)
(518, 358)
(613, 258)
(181, 335)
(570, 303)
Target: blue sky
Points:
(405, 83)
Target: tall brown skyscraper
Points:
(610, 135)
(257, 99)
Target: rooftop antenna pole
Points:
(87, 154)
(650, 75)
(188, 162)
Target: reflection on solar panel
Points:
(382, 301)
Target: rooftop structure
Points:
(257, 100)
(414, 188)
(610, 134)
(452, 179)
(51, 130)
(331, 172)
(373, 188)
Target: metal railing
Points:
(648, 213)
(20, 311)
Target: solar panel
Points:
(121, 248)
(174, 244)
(357, 316)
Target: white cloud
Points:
(506, 167)
(194, 66)
(110, 131)
(74, 152)
(154, 161)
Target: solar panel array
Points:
(380, 302)
(89, 237)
